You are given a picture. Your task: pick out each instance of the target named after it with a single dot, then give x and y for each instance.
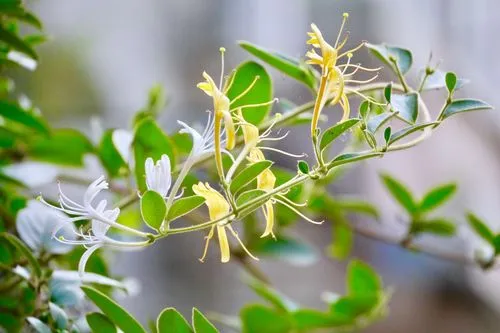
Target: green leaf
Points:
(409, 130)
(335, 131)
(481, 229)
(353, 157)
(258, 318)
(119, 316)
(64, 147)
(437, 80)
(343, 240)
(437, 197)
(153, 209)
(290, 67)
(387, 135)
(150, 141)
(183, 206)
(58, 316)
(25, 251)
(261, 92)
(278, 301)
(388, 92)
(303, 167)
(364, 109)
(385, 52)
(248, 195)
(38, 325)
(201, 324)
(110, 157)
(362, 280)
(308, 319)
(99, 323)
(438, 226)
(350, 307)
(374, 123)
(451, 81)
(464, 105)
(16, 42)
(289, 250)
(407, 106)
(245, 176)
(171, 321)
(15, 113)
(401, 193)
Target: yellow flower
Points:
(218, 209)
(223, 111)
(266, 181)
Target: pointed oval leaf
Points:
(437, 80)
(153, 209)
(261, 92)
(464, 105)
(481, 229)
(437, 197)
(362, 279)
(14, 41)
(64, 147)
(171, 321)
(248, 174)
(183, 206)
(353, 157)
(409, 130)
(403, 57)
(407, 106)
(100, 323)
(438, 227)
(201, 324)
(258, 318)
(401, 193)
(375, 122)
(335, 131)
(303, 167)
(308, 320)
(248, 195)
(15, 113)
(118, 315)
(58, 315)
(273, 297)
(290, 67)
(38, 325)
(451, 81)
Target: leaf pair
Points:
(364, 298)
(417, 210)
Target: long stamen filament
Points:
(274, 100)
(256, 78)
(344, 20)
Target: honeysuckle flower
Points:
(122, 140)
(102, 220)
(158, 176)
(35, 225)
(218, 209)
(332, 79)
(266, 181)
(223, 111)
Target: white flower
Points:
(202, 143)
(101, 220)
(35, 224)
(158, 177)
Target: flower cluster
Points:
(334, 77)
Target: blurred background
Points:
(105, 55)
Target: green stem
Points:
(400, 75)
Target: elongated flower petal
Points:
(158, 176)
